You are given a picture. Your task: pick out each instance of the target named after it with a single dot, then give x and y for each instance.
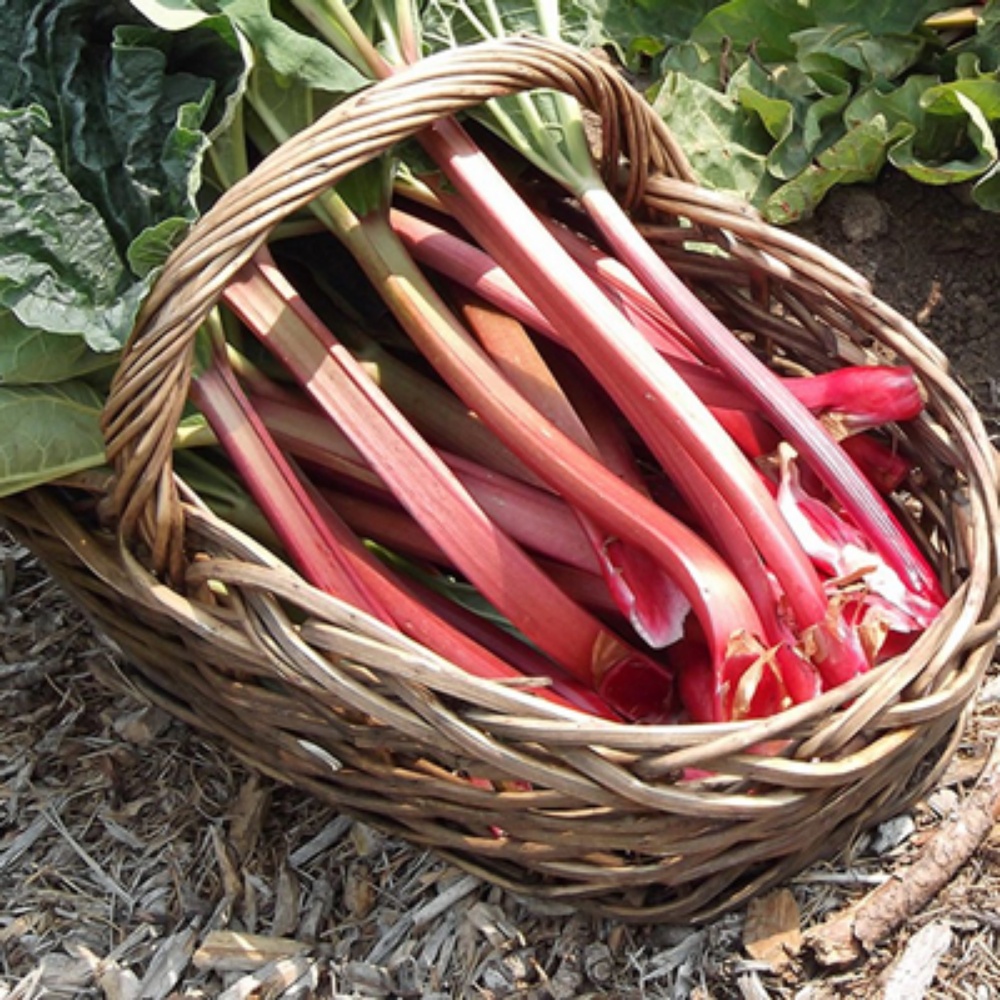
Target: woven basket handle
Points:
(150, 387)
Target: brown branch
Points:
(850, 935)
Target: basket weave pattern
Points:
(226, 636)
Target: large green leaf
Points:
(878, 17)
(104, 123)
(293, 54)
(48, 431)
(101, 137)
(839, 88)
(849, 51)
(60, 268)
(646, 27)
(633, 28)
(858, 156)
(37, 356)
(955, 142)
(796, 113)
(764, 26)
(986, 191)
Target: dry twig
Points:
(851, 934)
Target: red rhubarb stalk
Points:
(393, 528)
(730, 622)
(717, 344)
(330, 556)
(534, 517)
(858, 396)
(277, 489)
(647, 596)
(642, 383)
(424, 484)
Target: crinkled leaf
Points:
(858, 156)
(952, 98)
(796, 111)
(766, 26)
(102, 139)
(104, 122)
(954, 143)
(695, 62)
(633, 28)
(727, 148)
(776, 113)
(300, 57)
(850, 51)
(646, 27)
(780, 102)
(60, 267)
(817, 75)
(899, 105)
(49, 431)
(943, 133)
(882, 17)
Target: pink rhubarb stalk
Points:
(718, 346)
(426, 487)
(277, 490)
(535, 518)
(731, 626)
(330, 556)
(642, 383)
(649, 599)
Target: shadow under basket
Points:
(227, 637)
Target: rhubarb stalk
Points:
(428, 489)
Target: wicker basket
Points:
(224, 635)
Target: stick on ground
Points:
(855, 932)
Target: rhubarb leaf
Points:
(49, 431)
(837, 90)
(986, 191)
(727, 147)
(858, 156)
(644, 28)
(102, 130)
(766, 27)
(104, 124)
(30, 355)
(635, 30)
(883, 17)
(957, 132)
(292, 54)
(60, 269)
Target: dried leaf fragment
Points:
(773, 930)
(235, 951)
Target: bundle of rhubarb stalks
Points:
(497, 382)
(546, 422)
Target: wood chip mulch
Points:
(138, 861)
